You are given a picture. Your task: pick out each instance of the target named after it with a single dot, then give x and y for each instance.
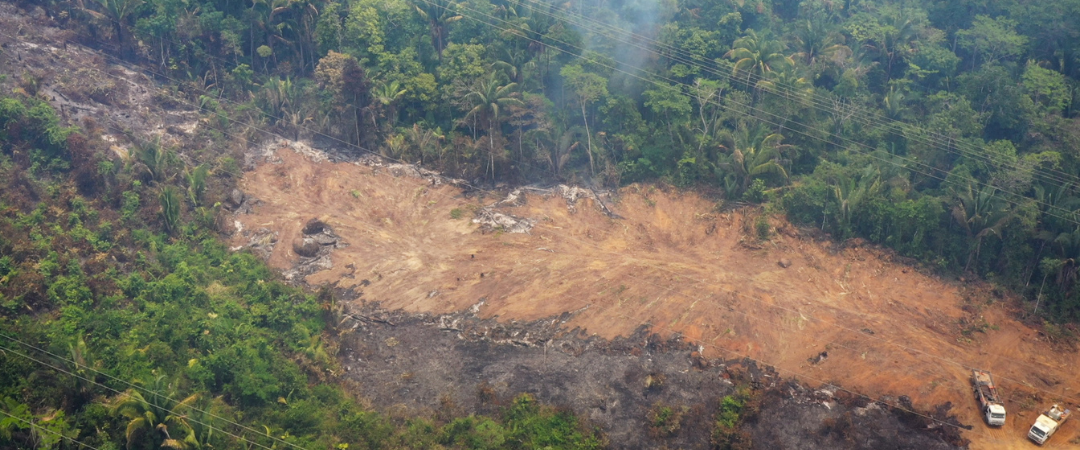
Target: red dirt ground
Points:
(675, 263)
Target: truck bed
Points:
(982, 378)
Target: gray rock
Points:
(305, 248)
(237, 197)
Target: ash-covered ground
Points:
(443, 365)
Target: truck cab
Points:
(995, 415)
(1047, 424)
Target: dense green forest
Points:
(946, 130)
(126, 323)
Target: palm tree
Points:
(439, 14)
(425, 141)
(196, 179)
(980, 212)
(815, 42)
(385, 97)
(850, 194)
(119, 12)
(79, 364)
(154, 158)
(394, 148)
(298, 16)
(557, 145)
(787, 83)
(1059, 198)
(154, 413)
(488, 99)
(170, 208)
(757, 54)
(283, 100)
(893, 104)
(754, 154)
(894, 42)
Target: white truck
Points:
(1047, 424)
(987, 396)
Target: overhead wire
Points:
(828, 109)
(1062, 213)
(820, 101)
(579, 240)
(39, 427)
(784, 122)
(616, 69)
(135, 387)
(474, 187)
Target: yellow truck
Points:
(1047, 424)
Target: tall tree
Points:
(816, 43)
(756, 54)
(991, 39)
(754, 153)
(588, 87)
(439, 14)
(981, 212)
(489, 99)
(119, 13)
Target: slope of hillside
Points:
(669, 260)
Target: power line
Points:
(474, 187)
(135, 387)
(279, 136)
(1070, 216)
(599, 63)
(947, 141)
(782, 122)
(38, 427)
(819, 100)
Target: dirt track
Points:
(676, 264)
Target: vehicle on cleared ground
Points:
(987, 395)
(1048, 423)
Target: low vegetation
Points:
(127, 324)
(735, 409)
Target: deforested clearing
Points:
(848, 314)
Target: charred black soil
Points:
(446, 365)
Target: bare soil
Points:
(673, 262)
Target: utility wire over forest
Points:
(947, 131)
(944, 130)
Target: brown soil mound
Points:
(840, 314)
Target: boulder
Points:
(305, 248)
(237, 197)
(314, 226)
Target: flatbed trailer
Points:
(987, 395)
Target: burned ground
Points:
(672, 261)
(453, 364)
